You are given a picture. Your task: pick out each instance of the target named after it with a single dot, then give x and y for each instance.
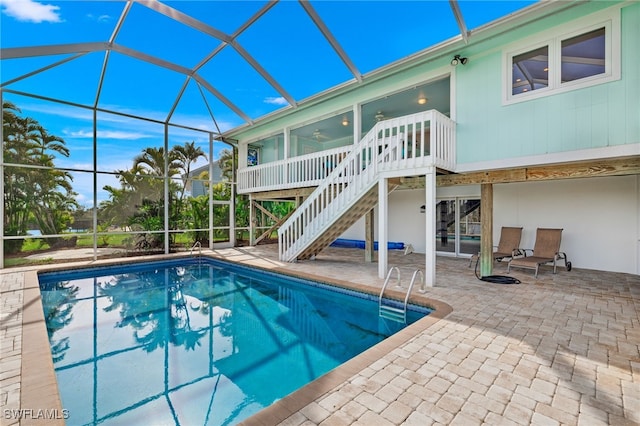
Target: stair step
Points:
(360, 207)
(392, 309)
(392, 313)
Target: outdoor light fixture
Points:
(422, 100)
(458, 60)
(345, 121)
(379, 116)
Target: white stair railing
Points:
(398, 147)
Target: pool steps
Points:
(198, 246)
(389, 310)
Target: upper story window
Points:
(579, 54)
(583, 56)
(530, 71)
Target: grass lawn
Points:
(115, 240)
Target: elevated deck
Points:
(407, 146)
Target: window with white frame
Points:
(578, 55)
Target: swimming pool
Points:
(197, 342)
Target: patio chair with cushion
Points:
(546, 250)
(508, 245)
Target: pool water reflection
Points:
(196, 343)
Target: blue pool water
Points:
(194, 342)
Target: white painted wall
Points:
(407, 224)
(600, 217)
(638, 222)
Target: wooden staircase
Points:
(367, 202)
(405, 146)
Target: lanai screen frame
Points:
(226, 40)
(212, 137)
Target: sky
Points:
(284, 42)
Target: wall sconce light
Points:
(422, 100)
(457, 59)
(345, 121)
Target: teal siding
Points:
(631, 70)
(598, 116)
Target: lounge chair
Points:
(508, 246)
(545, 250)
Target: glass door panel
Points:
(458, 226)
(446, 226)
(469, 225)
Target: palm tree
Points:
(153, 159)
(41, 195)
(228, 159)
(186, 155)
(46, 142)
(55, 202)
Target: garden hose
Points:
(496, 279)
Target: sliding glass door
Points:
(458, 226)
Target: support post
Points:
(252, 218)
(210, 194)
(383, 216)
(368, 236)
(486, 232)
(430, 226)
(2, 195)
(167, 236)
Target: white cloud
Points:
(201, 122)
(31, 11)
(99, 18)
(107, 134)
(276, 101)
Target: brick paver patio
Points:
(560, 349)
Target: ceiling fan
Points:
(319, 136)
(379, 116)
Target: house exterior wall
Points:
(599, 217)
(197, 186)
(600, 116)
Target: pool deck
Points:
(560, 349)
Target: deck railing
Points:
(296, 172)
(401, 146)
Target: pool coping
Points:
(39, 385)
(39, 388)
(285, 407)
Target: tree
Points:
(153, 160)
(139, 202)
(185, 156)
(196, 216)
(35, 191)
(46, 142)
(228, 158)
